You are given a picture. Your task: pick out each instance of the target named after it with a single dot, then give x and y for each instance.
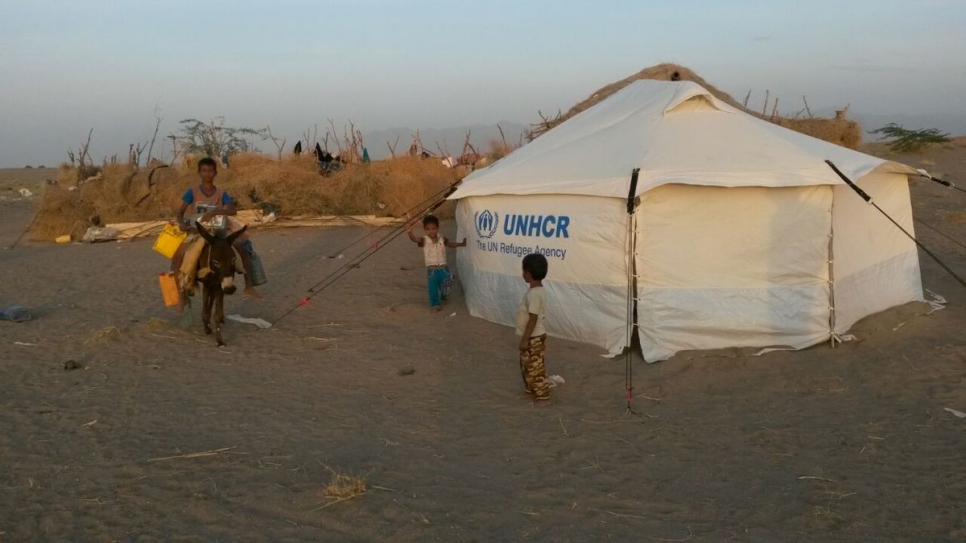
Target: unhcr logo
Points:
(486, 223)
(548, 226)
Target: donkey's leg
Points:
(219, 314)
(206, 300)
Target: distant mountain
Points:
(449, 139)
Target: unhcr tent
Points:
(739, 234)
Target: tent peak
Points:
(688, 95)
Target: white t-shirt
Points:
(434, 252)
(534, 302)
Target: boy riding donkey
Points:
(207, 203)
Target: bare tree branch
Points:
(157, 115)
(278, 146)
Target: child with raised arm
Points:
(434, 253)
(530, 328)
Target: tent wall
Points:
(732, 267)
(875, 265)
(584, 239)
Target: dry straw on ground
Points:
(341, 487)
(121, 193)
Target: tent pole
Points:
(628, 354)
(831, 273)
(943, 182)
(868, 200)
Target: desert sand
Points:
(845, 444)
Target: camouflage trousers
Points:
(534, 369)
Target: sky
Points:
(67, 66)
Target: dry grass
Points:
(103, 335)
(838, 131)
(660, 72)
(341, 487)
(122, 193)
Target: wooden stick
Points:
(335, 502)
(817, 478)
(621, 515)
(193, 455)
(22, 234)
(690, 535)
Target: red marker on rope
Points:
(304, 301)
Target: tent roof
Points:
(675, 132)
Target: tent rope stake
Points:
(868, 199)
(628, 354)
(940, 181)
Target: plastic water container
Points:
(169, 240)
(169, 288)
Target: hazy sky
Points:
(70, 65)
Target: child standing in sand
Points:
(530, 328)
(434, 253)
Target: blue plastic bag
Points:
(14, 313)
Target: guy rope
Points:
(869, 200)
(435, 201)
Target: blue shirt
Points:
(189, 197)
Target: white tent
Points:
(741, 235)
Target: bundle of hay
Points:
(839, 130)
(122, 193)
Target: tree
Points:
(215, 139)
(909, 141)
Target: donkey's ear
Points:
(204, 232)
(234, 236)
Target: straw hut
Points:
(838, 130)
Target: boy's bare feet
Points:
(250, 291)
(438, 308)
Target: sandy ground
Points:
(850, 444)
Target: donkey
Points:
(216, 273)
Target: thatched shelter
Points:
(123, 193)
(661, 72)
(838, 130)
